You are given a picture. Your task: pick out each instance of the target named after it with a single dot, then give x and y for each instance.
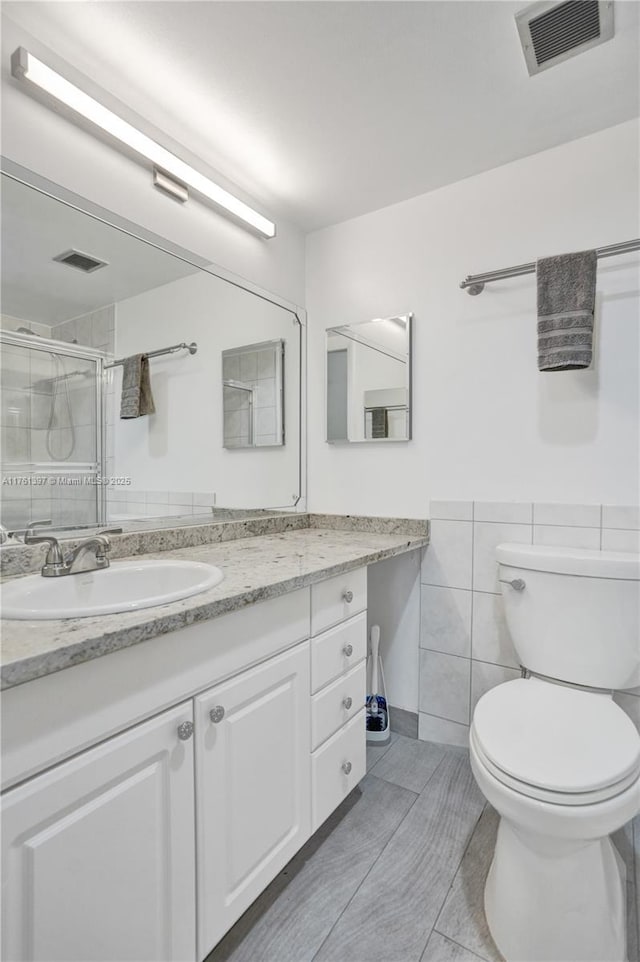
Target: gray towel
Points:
(379, 423)
(137, 398)
(566, 299)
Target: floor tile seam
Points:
(377, 762)
(371, 867)
(456, 873)
(381, 853)
(398, 785)
(635, 843)
(459, 944)
(436, 769)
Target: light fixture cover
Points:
(25, 66)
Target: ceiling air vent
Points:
(82, 262)
(553, 32)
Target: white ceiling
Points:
(326, 110)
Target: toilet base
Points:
(550, 899)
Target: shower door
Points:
(51, 432)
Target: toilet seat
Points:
(554, 743)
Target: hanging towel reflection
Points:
(136, 399)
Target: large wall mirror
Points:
(369, 380)
(79, 296)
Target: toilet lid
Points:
(556, 738)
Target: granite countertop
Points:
(255, 569)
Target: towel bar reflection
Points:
(191, 348)
(474, 283)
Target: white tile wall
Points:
(570, 537)
(465, 647)
(615, 539)
(447, 620)
(567, 515)
(491, 638)
(509, 512)
(445, 685)
(452, 510)
(621, 516)
(448, 561)
(135, 503)
(433, 729)
(486, 537)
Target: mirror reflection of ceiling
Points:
(35, 287)
(385, 333)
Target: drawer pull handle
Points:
(216, 714)
(348, 650)
(185, 731)
(348, 596)
(348, 702)
(346, 768)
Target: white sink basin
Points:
(124, 586)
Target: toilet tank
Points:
(577, 617)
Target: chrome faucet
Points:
(57, 565)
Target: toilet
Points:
(557, 758)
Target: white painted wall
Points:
(393, 597)
(179, 448)
(487, 424)
(40, 139)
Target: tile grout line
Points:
(376, 860)
(378, 760)
(455, 874)
(459, 944)
(635, 842)
(473, 540)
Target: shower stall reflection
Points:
(51, 398)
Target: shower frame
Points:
(47, 345)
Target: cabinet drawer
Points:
(329, 710)
(329, 651)
(329, 604)
(331, 777)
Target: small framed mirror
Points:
(252, 395)
(369, 380)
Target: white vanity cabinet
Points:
(253, 786)
(153, 793)
(338, 683)
(98, 856)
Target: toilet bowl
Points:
(559, 760)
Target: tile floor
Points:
(396, 874)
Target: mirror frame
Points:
(299, 315)
(346, 441)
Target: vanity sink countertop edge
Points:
(255, 569)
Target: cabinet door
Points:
(253, 786)
(98, 853)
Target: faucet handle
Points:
(103, 536)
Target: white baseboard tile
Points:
(434, 729)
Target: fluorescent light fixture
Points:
(25, 66)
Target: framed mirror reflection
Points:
(84, 292)
(252, 395)
(368, 381)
